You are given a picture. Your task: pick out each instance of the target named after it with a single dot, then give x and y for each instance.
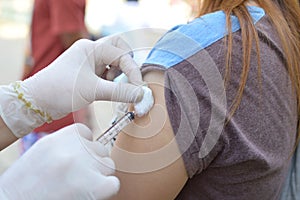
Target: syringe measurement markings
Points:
(116, 128)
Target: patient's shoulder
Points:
(146, 154)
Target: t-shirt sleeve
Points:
(196, 117)
(67, 15)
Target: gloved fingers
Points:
(96, 148)
(119, 92)
(107, 188)
(127, 64)
(101, 71)
(112, 73)
(106, 166)
(122, 44)
(115, 40)
(117, 53)
(107, 54)
(86, 138)
(83, 131)
(131, 69)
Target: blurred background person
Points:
(55, 26)
(129, 17)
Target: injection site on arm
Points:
(141, 108)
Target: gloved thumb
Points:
(118, 92)
(108, 188)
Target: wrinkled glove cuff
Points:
(18, 111)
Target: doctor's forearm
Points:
(6, 135)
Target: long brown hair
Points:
(284, 15)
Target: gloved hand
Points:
(63, 165)
(69, 83)
(141, 108)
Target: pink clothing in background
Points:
(50, 19)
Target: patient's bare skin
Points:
(148, 162)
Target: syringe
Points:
(113, 131)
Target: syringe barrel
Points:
(113, 131)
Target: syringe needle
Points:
(113, 131)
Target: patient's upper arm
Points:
(148, 162)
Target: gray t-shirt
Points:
(248, 157)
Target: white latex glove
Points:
(69, 83)
(63, 165)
